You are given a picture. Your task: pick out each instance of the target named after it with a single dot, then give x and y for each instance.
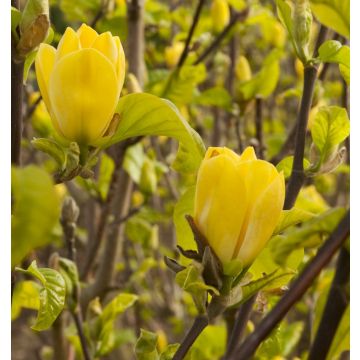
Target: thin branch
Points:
(259, 126)
(242, 317)
(196, 18)
(297, 176)
(334, 309)
(238, 16)
(296, 291)
(79, 326)
(198, 326)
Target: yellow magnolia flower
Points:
(81, 81)
(173, 53)
(238, 203)
(242, 69)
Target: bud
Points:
(238, 202)
(70, 211)
(302, 25)
(220, 14)
(34, 26)
(242, 69)
(173, 53)
(80, 82)
(278, 36)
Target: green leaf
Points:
(331, 126)
(52, 148)
(181, 86)
(211, 344)
(169, 352)
(341, 341)
(333, 51)
(311, 234)
(69, 272)
(216, 96)
(184, 206)
(35, 202)
(134, 160)
(145, 348)
(145, 114)
(190, 279)
(105, 175)
(264, 82)
(286, 165)
(334, 14)
(30, 58)
(25, 295)
(292, 217)
(15, 20)
(52, 295)
(107, 339)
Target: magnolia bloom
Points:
(238, 203)
(81, 81)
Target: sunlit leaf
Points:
(51, 295)
(35, 202)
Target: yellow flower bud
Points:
(242, 69)
(220, 14)
(81, 81)
(238, 202)
(278, 36)
(173, 53)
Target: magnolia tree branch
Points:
(238, 16)
(198, 326)
(296, 291)
(242, 317)
(334, 309)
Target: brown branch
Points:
(296, 291)
(196, 18)
(238, 16)
(334, 309)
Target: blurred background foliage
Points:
(255, 62)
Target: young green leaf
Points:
(52, 295)
(145, 114)
(52, 148)
(169, 352)
(35, 202)
(145, 348)
(286, 165)
(292, 217)
(331, 127)
(334, 14)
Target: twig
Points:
(242, 317)
(334, 309)
(239, 16)
(105, 212)
(259, 126)
(297, 176)
(79, 326)
(100, 14)
(198, 326)
(185, 52)
(238, 131)
(59, 338)
(17, 70)
(296, 291)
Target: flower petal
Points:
(107, 46)
(87, 35)
(44, 64)
(263, 220)
(218, 183)
(120, 68)
(248, 154)
(69, 43)
(83, 91)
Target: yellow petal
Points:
(219, 211)
(120, 68)
(215, 151)
(107, 46)
(263, 220)
(87, 35)
(248, 154)
(44, 64)
(83, 91)
(257, 175)
(68, 43)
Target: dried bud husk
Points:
(302, 26)
(34, 26)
